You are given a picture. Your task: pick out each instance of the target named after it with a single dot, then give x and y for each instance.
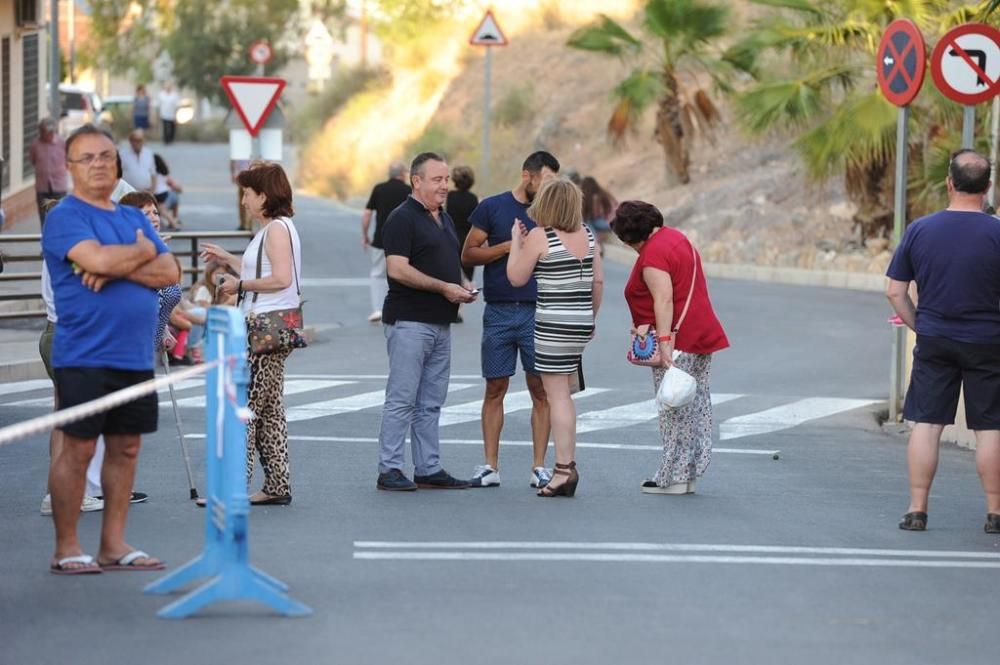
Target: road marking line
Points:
(292, 387)
(349, 404)
(357, 377)
(48, 403)
(469, 412)
(787, 416)
(674, 547)
(336, 281)
(594, 557)
(627, 415)
(24, 386)
(525, 444)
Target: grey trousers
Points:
(419, 370)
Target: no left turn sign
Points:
(965, 64)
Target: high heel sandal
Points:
(568, 488)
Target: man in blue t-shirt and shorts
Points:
(954, 257)
(509, 318)
(105, 263)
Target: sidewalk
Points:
(19, 359)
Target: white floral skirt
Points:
(686, 432)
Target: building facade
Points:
(23, 76)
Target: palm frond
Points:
(686, 22)
(858, 133)
(804, 6)
(633, 96)
(990, 7)
(791, 103)
(606, 36)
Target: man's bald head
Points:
(969, 172)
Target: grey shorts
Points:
(45, 348)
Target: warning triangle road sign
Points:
(488, 33)
(253, 97)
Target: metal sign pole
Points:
(968, 127)
(484, 168)
(994, 138)
(897, 370)
(55, 77)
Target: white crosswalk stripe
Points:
(592, 415)
(293, 387)
(630, 414)
(470, 412)
(341, 405)
(787, 416)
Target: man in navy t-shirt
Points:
(106, 263)
(509, 318)
(954, 257)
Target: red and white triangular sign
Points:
(253, 97)
(488, 33)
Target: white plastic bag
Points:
(677, 387)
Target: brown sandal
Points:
(568, 488)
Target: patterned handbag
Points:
(281, 329)
(644, 348)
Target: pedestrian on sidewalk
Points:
(385, 197)
(954, 258)
(138, 163)
(560, 253)
(461, 202)
(106, 262)
(269, 274)
(168, 102)
(48, 159)
(425, 290)
(508, 318)
(666, 280)
(140, 108)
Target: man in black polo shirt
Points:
(386, 197)
(425, 290)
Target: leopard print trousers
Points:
(267, 432)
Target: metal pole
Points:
(485, 166)
(192, 491)
(72, 41)
(897, 369)
(968, 127)
(991, 197)
(54, 78)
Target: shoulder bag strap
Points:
(694, 274)
(260, 259)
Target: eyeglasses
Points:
(89, 158)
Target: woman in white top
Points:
(267, 197)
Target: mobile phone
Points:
(474, 292)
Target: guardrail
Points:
(190, 256)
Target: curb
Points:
(22, 370)
(833, 279)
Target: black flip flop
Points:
(914, 522)
(992, 523)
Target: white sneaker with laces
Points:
(90, 504)
(485, 475)
(540, 477)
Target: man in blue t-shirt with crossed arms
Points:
(954, 257)
(106, 263)
(509, 318)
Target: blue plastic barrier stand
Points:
(225, 557)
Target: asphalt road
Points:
(773, 561)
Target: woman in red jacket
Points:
(666, 275)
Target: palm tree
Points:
(819, 87)
(664, 70)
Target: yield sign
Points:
(901, 62)
(966, 64)
(253, 97)
(488, 33)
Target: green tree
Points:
(666, 68)
(209, 39)
(815, 66)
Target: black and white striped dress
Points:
(564, 312)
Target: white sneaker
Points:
(650, 487)
(375, 316)
(90, 504)
(540, 477)
(485, 475)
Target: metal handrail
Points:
(192, 270)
